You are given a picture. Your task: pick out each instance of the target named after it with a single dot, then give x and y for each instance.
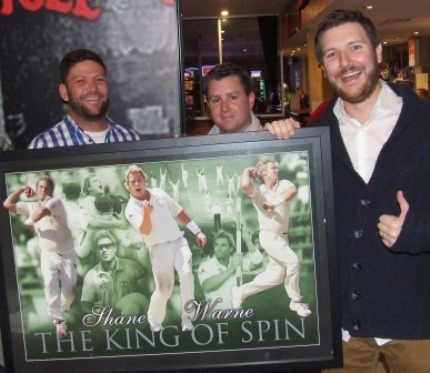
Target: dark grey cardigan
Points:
(385, 292)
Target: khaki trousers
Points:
(362, 355)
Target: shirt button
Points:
(355, 295)
(365, 202)
(356, 267)
(356, 325)
(358, 234)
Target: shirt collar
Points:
(77, 127)
(140, 202)
(254, 126)
(116, 267)
(264, 188)
(387, 101)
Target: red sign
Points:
(78, 8)
(411, 52)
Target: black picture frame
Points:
(273, 339)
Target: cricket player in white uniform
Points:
(217, 275)
(152, 213)
(48, 218)
(272, 203)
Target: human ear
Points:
(64, 93)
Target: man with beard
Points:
(381, 169)
(85, 89)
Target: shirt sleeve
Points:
(204, 272)
(22, 209)
(133, 216)
(53, 205)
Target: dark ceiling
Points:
(396, 21)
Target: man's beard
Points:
(88, 115)
(372, 80)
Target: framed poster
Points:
(108, 328)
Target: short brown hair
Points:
(339, 17)
(79, 55)
(225, 70)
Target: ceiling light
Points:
(224, 13)
(416, 32)
(369, 7)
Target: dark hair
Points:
(224, 70)
(103, 204)
(339, 17)
(76, 56)
(72, 190)
(103, 234)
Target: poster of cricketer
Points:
(197, 255)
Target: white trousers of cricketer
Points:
(59, 280)
(165, 259)
(283, 267)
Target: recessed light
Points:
(224, 13)
(369, 7)
(416, 32)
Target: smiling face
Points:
(350, 62)
(222, 249)
(86, 91)
(229, 104)
(43, 190)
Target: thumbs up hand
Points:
(390, 226)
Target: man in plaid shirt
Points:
(85, 89)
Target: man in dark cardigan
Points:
(380, 140)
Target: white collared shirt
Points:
(164, 225)
(365, 141)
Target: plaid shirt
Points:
(68, 133)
